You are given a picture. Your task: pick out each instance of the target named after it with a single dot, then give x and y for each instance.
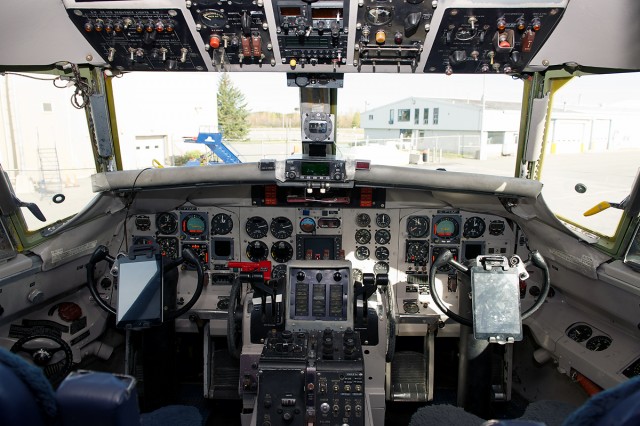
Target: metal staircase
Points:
(49, 169)
(213, 141)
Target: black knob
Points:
(319, 276)
(300, 276)
(287, 416)
(337, 276)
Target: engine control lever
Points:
(447, 258)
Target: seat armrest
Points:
(98, 399)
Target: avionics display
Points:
(325, 13)
(314, 168)
(318, 248)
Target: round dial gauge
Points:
(379, 15)
(194, 225)
(496, 227)
(417, 226)
(363, 236)
(362, 253)
(357, 275)
(417, 252)
(598, 343)
(212, 18)
(580, 332)
(382, 236)
(168, 246)
(382, 253)
(363, 219)
(446, 227)
(473, 227)
(143, 223)
(281, 251)
(410, 307)
(257, 227)
(279, 271)
(221, 224)
(383, 220)
(381, 268)
(257, 251)
(281, 227)
(308, 225)
(166, 223)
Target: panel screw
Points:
(545, 62)
(89, 58)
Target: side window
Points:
(592, 154)
(391, 111)
(404, 114)
(436, 115)
(45, 147)
(425, 116)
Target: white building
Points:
(472, 129)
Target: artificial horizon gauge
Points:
(166, 223)
(221, 224)
(194, 225)
(308, 225)
(281, 227)
(257, 227)
(446, 228)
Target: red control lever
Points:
(263, 266)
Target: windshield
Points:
(460, 123)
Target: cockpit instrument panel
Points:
(319, 294)
(140, 39)
(491, 40)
